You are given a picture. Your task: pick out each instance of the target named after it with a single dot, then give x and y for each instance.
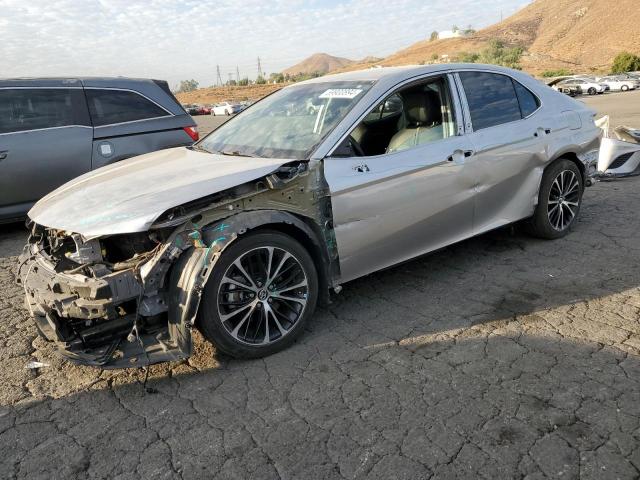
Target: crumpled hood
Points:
(129, 196)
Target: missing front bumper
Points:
(91, 320)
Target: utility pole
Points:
(259, 68)
(219, 79)
(237, 74)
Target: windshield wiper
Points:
(236, 154)
(198, 148)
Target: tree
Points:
(188, 86)
(434, 36)
(469, 30)
(435, 57)
(276, 78)
(243, 82)
(625, 62)
(454, 28)
(260, 80)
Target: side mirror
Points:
(345, 149)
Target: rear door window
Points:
(491, 98)
(108, 107)
(34, 109)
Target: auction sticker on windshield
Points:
(341, 93)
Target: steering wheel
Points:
(356, 147)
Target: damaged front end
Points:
(129, 300)
(105, 302)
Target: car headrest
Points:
(422, 108)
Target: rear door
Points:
(128, 123)
(510, 134)
(45, 141)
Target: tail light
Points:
(192, 132)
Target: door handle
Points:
(541, 130)
(362, 168)
(4, 154)
(460, 155)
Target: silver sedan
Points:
(243, 234)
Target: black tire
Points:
(540, 224)
(228, 113)
(591, 91)
(624, 88)
(209, 318)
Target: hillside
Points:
(318, 62)
(578, 35)
(575, 34)
(228, 93)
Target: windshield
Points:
(287, 124)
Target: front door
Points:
(413, 197)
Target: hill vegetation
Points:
(547, 37)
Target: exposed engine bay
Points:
(129, 300)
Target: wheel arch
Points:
(302, 229)
(573, 157)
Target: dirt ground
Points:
(500, 357)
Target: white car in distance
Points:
(226, 108)
(618, 83)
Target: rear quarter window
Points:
(529, 103)
(38, 108)
(109, 107)
(491, 98)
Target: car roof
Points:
(392, 74)
(114, 82)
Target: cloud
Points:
(177, 40)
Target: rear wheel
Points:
(559, 200)
(263, 290)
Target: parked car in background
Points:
(571, 90)
(52, 130)
(588, 86)
(616, 83)
(204, 110)
(193, 109)
(226, 108)
(243, 233)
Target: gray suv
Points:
(54, 129)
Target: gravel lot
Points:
(499, 357)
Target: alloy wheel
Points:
(262, 295)
(564, 200)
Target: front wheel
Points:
(591, 91)
(559, 200)
(624, 88)
(263, 290)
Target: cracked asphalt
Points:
(500, 357)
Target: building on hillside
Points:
(451, 34)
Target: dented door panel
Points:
(390, 208)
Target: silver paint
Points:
(129, 196)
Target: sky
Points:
(176, 40)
